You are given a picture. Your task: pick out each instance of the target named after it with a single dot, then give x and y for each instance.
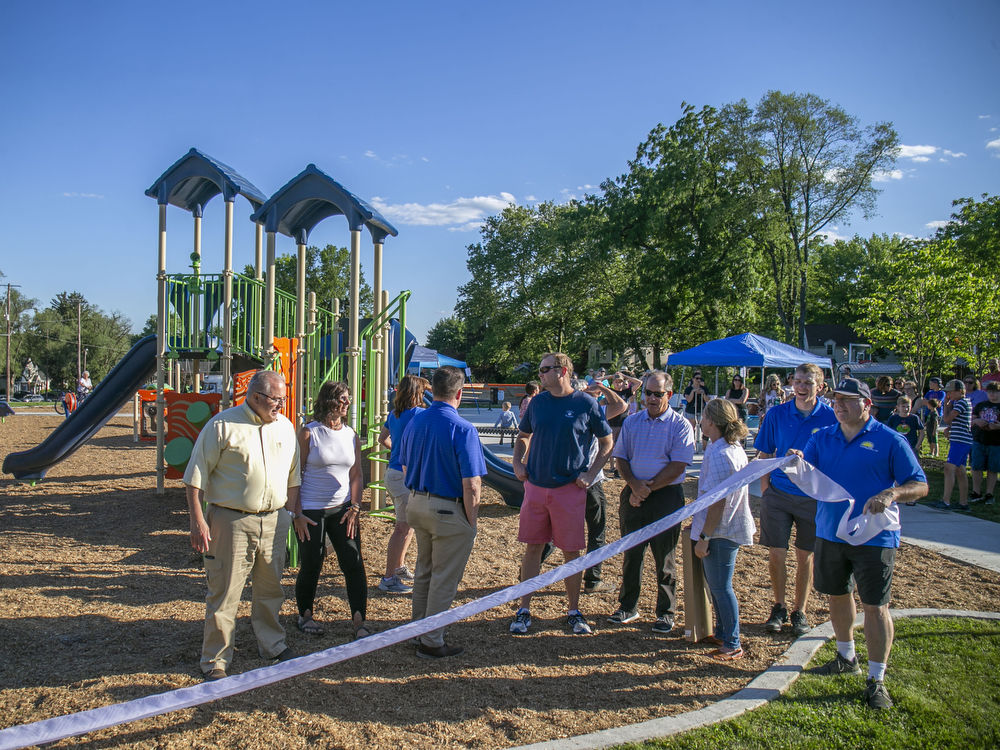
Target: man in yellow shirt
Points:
(245, 466)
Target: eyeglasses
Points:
(278, 401)
(543, 370)
(345, 399)
(658, 394)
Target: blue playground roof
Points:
(311, 196)
(196, 178)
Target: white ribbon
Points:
(809, 479)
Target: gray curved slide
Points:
(104, 402)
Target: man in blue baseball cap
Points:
(876, 466)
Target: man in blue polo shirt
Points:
(786, 426)
(877, 468)
(442, 464)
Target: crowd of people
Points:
(256, 478)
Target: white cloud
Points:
(83, 195)
(424, 158)
(956, 154)
(944, 160)
(921, 158)
(832, 235)
(909, 152)
(896, 174)
(904, 235)
(936, 224)
(984, 117)
(993, 144)
(371, 154)
(993, 130)
(530, 198)
(469, 213)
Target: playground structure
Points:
(246, 324)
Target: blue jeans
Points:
(719, 565)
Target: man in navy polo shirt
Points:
(442, 465)
(876, 466)
(786, 426)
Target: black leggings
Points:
(313, 550)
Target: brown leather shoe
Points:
(441, 652)
(286, 655)
(215, 674)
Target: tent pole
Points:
(716, 381)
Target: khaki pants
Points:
(444, 543)
(243, 545)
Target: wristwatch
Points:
(703, 537)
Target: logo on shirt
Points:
(570, 414)
(815, 430)
(868, 445)
(903, 429)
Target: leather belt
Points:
(439, 497)
(248, 512)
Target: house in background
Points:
(31, 380)
(845, 347)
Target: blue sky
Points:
(438, 114)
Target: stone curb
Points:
(763, 688)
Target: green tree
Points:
(678, 237)
(847, 272)
(448, 337)
(20, 321)
(932, 309)
(328, 274)
(975, 228)
(810, 165)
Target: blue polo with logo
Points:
(561, 429)
(876, 459)
(784, 428)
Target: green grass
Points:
(944, 677)
(935, 482)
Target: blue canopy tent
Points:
(426, 359)
(746, 350)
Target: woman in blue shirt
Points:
(409, 398)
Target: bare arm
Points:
(384, 439)
(521, 446)
(294, 502)
(616, 404)
(912, 490)
(667, 474)
(604, 446)
(742, 399)
(640, 489)
(200, 535)
(471, 490)
(353, 514)
(765, 481)
(712, 519)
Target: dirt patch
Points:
(102, 601)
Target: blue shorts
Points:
(986, 458)
(958, 453)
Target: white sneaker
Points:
(404, 574)
(394, 586)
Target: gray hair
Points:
(264, 381)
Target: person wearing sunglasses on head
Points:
(695, 395)
(558, 427)
(245, 467)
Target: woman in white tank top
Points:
(331, 507)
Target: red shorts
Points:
(554, 514)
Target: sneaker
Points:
(961, 508)
(838, 665)
(663, 624)
(779, 616)
(521, 623)
(394, 586)
(800, 625)
(975, 497)
(404, 574)
(990, 500)
(876, 696)
(579, 624)
(621, 617)
(598, 587)
(940, 505)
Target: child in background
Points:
(530, 389)
(906, 424)
(506, 421)
(932, 424)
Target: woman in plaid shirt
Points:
(720, 529)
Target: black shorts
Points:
(838, 566)
(778, 511)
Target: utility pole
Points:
(79, 372)
(9, 338)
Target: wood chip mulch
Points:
(102, 601)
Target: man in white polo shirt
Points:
(245, 466)
(654, 449)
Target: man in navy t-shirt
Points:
(877, 468)
(443, 464)
(558, 426)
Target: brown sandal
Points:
(720, 655)
(711, 640)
